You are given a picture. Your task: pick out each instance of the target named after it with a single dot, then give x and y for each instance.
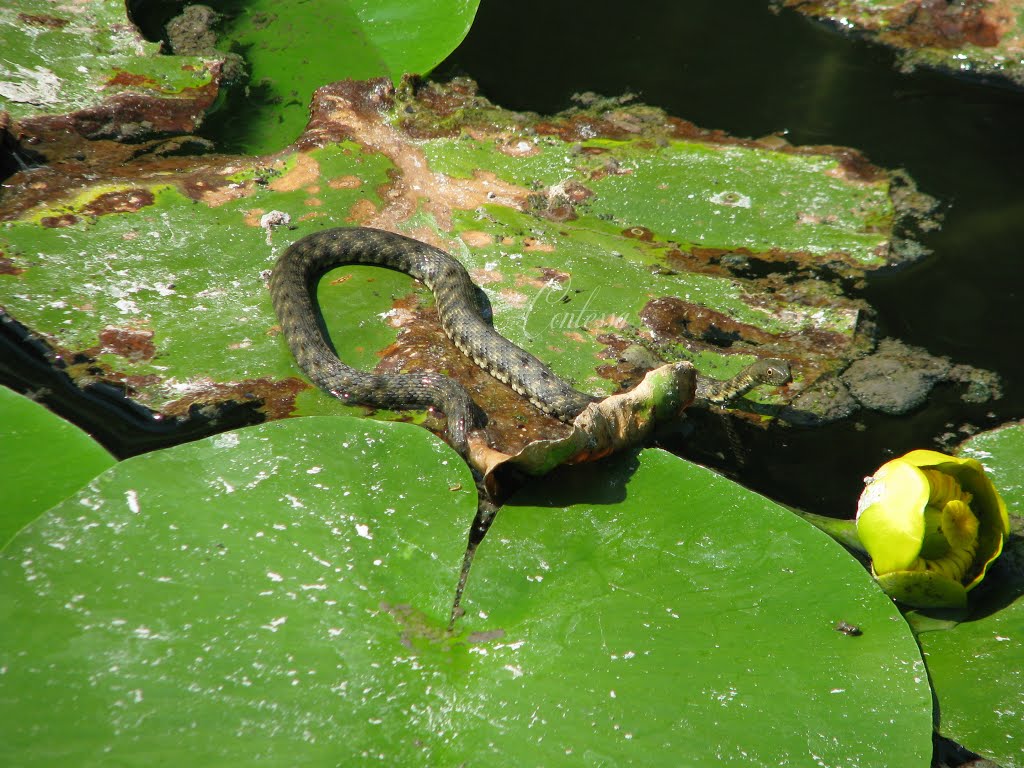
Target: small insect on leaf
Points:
(848, 629)
(456, 487)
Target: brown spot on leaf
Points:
(486, 276)
(476, 239)
(345, 182)
(134, 344)
(517, 147)
(550, 273)
(122, 201)
(130, 79)
(305, 172)
(576, 192)
(275, 398)
(639, 233)
(533, 245)
(361, 212)
(423, 346)
(672, 318)
(941, 24)
(43, 20)
(7, 266)
(54, 222)
(581, 127)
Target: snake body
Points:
(292, 291)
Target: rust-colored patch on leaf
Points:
(122, 201)
(476, 239)
(274, 397)
(642, 234)
(533, 245)
(353, 110)
(135, 344)
(43, 20)
(486, 276)
(933, 23)
(55, 222)
(672, 318)
(582, 127)
(305, 172)
(130, 80)
(108, 134)
(345, 182)
(550, 274)
(7, 266)
(361, 212)
(517, 147)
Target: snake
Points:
(292, 287)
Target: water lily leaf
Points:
(661, 609)
(280, 594)
(293, 47)
(975, 666)
(237, 599)
(43, 460)
(156, 278)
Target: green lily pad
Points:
(280, 594)
(236, 599)
(677, 608)
(43, 460)
(293, 47)
(579, 270)
(975, 667)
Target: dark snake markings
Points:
(292, 290)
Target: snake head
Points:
(774, 371)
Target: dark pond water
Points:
(737, 66)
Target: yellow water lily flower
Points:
(932, 525)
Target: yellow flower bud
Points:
(932, 525)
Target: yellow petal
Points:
(890, 516)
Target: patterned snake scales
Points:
(292, 289)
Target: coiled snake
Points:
(292, 286)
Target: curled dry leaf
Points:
(610, 425)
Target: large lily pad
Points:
(975, 667)
(43, 460)
(659, 593)
(279, 594)
(595, 234)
